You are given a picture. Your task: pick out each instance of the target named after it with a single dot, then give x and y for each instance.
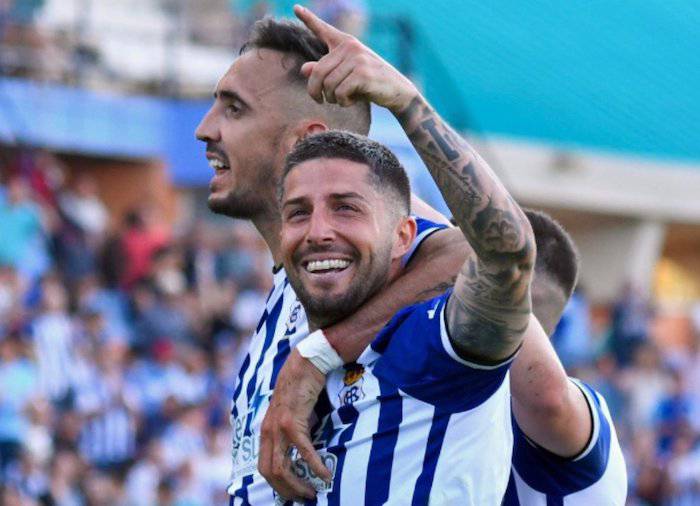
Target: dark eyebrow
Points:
(348, 195)
(292, 202)
(230, 96)
(334, 196)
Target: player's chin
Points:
(230, 204)
(218, 202)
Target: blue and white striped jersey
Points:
(282, 326)
(596, 476)
(413, 423)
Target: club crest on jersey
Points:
(293, 317)
(352, 384)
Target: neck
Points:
(269, 226)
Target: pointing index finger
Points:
(327, 33)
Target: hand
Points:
(286, 424)
(351, 71)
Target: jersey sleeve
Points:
(418, 358)
(424, 229)
(551, 474)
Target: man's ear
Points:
(315, 127)
(302, 130)
(405, 235)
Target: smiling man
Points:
(261, 110)
(434, 393)
(340, 255)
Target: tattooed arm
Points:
(490, 307)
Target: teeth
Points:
(324, 265)
(216, 164)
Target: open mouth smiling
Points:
(326, 265)
(218, 165)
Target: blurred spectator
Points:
(631, 316)
(66, 472)
(21, 228)
(572, 337)
(690, 371)
(645, 383)
(108, 437)
(82, 206)
(104, 310)
(10, 299)
(606, 380)
(29, 477)
(144, 477)
(53, 335)
(158, 316)
(185, 438)
(45, 173)
(81, 230)
(672, 414)
(141, 238)
(18, 386)
(156, 379)
(683, 486)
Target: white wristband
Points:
(316, 348)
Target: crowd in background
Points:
(71, 51)
(120, 340)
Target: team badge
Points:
(293, 317)
(352, 384)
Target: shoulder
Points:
(424, 229)
(423, 317)
(415, 355)
(551, 474)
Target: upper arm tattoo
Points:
(490, 306)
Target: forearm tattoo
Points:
(490, 307)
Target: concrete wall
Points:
(617, 208)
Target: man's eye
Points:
(296, 213)
(234, 108)
(345, 207)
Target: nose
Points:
(207, 130)
(320, 229)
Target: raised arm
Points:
(490, 308)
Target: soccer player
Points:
(552, 464)
(592, 472)
(423, 416)
(261, 110)
(564, 419)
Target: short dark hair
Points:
(289, 37)
(557, 255)
(386, 172)
(300, 45)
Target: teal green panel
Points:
(619, 75)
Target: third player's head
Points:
(556, 269)
(345, 222)
(261, 110)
